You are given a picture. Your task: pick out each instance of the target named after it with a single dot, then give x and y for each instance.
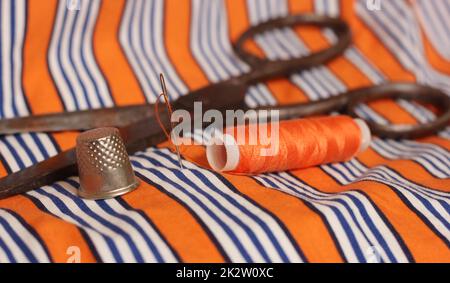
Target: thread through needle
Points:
(169, 110)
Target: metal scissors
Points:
(139, 127)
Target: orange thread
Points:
(302, 143)
(169, 110)
(158, 118)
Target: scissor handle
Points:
(406, 91)
(349, 101)
(263, 69)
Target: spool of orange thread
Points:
(301, 143)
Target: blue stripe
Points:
(342, 220)
(81, 51)
(138, 61)
(153, 40)
(383, 172)
(142, 45)
(13, 153)
(40, 145)
(59, 59)
(401, 184)
(242, 208)
(24, 146)
(419, 155)
(18, 240)
(196, 37)
(205, 9)
(423, 199)
(6, 249)
(415, 209)
(200, 204)
(125, 218)
(394, 37)
(116, 229)
(217, 204)
(14, 92)
(31, 230)
(438, 152)
(226, 51)
(66, 211)
(71, 59)
(361, 209)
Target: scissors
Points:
(139, 127)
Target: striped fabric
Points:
(389, 204)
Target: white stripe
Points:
(16, 251)
(427, 214)
(20, 151)
(53, 60)
(154, 237)
(138, 239)
(380, 225)
(374, 216)
(31, 144)
(6, 65)
(3, 257)
(7, 154)
(99, 242)
(419, 158)
(95, 235)
(439, 208)
(392, 176)
(119, 240)
(244, 238)
(197, 42)
(280, 235)
(160, 48)
(29, 239)
(47, 143)
(195, 46)
(237, 229)
(67, 67)
(20, 19)
(332, 219)
(324, 206)
(227, 244)
(151, 33)
(217, 9)
(438, 36)
(415, 60)
(139, 51)
(90, 60)
(225, 41)
(125, 26)
(135, 236)
(80, 18)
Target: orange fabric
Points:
(179, 225)
(283, 90)
(176, 223)
(177, 31)
(37, 81)
(411, 228)
(124, 87)
(57, 234)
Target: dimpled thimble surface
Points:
(103, 164)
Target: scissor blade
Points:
(136, 136)
(77, 120)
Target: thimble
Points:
(103, 164)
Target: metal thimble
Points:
(103, 164)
